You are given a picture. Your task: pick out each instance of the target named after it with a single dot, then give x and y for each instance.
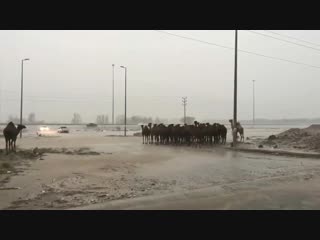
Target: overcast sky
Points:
(71, 71)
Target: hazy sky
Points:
(71, 71)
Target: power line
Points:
(297, 39)
(194, 39)
(244, 51)
(298, 44)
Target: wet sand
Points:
(82, 170)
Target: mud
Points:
(304, 139)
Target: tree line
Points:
(102, 119)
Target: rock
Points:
(35, 151)
(260, 146)
(272, 137)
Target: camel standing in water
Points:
(10, 133)
(239, 129)
(145, 134)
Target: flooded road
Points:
(220, 179)
(123, 173)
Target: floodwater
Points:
(123, 173)
(219, 179)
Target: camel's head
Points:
(149, 124)
(20, 126)
(142, 126)
(230, 120)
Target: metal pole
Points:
(125, 105)
(184, 101)
(235, 90)
(112, 94)
(185, 114)
(253, 110)
(21, 103)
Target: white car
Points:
(63, 130)
(42, 130)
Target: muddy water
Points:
(126, 169)
(226, 180)
(193, 170)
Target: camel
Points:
(223, 134)
(239, 129)
(10, 133)
(145, 134)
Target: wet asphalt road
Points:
(221, 179)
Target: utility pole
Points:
(112, 94)
(21, 104)
(253, 107)
(235, 90)
(184, 103)
(125, 101)
(0, 100)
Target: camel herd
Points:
(197, 133)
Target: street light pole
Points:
(234, 133)
(184, 102)
(125, 102)
(21, 103)
(112, 94)
(253, 110)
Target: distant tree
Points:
(189, 120)
(120, 119)
(32, 118)
(76, 118)
(157, 120)
(139, 119)
(133, 119)
(102, 119)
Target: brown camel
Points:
(238, 128)
(10, 134)
(145, 134)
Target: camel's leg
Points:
(7, 150)
(14, 142)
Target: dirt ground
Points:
(70, 171)
(295, 139)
